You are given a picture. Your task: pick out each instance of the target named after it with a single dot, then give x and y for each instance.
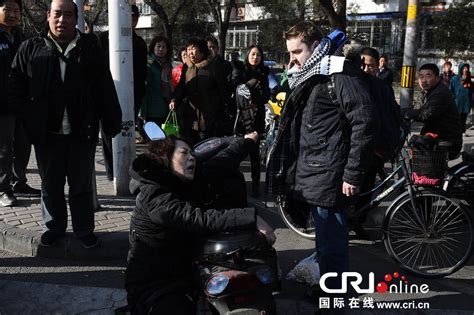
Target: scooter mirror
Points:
(153, 131)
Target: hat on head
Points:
(135, 10)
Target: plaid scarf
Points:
(319, 63)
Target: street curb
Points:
(112, 245)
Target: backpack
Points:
(392, 133)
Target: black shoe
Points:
(8, 199)
(50, 237)
(89, 241)
(26, 189)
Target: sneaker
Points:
(26, 189)
(49, 238)
(89, 241)
(8, 199)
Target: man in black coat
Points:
(438, 111)
(61, 87)
(323, 149)
(14, 146)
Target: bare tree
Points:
(34, 16)
(168, 14)
(93, 12)
(335, 11)
(221, 20)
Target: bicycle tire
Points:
(308, 233)
(430, 252)
(461, 184)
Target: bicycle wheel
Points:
(436, 247)
(461, 184)
(308, 231)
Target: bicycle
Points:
(425, 230)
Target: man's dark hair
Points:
(309, 32)
(448, 63)
(2, 3)
(201, 44)
(157, 39)
(372, 52)
(212, 39)
(384, 57)
(76, 11)
(430, 66)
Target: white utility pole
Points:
(408, 76)
(121, 67)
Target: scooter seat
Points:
(228, 242)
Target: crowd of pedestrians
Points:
(57, 93)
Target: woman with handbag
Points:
(252, 92)
(158, 81)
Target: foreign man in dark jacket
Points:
(438, 111)
(140, 53)
(323, 149)
(62, 87)
(14, 146)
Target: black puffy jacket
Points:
(38, 94)
(316, 150)
(168, 216)
(439, 115)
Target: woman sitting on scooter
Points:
(167, 218)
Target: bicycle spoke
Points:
(439, 250)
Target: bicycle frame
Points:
(394, 187)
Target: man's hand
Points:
(349, 190)
(266, 230)
(172, 105)
(252, 136)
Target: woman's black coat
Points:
(167, 218)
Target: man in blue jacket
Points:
(61, 85)
(14, 146)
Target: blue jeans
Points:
(332, 242)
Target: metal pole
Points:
(80, 15)
(121, 67)
(409, 56)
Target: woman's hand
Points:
(172, 105)
(252, 136)
(266, 230)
